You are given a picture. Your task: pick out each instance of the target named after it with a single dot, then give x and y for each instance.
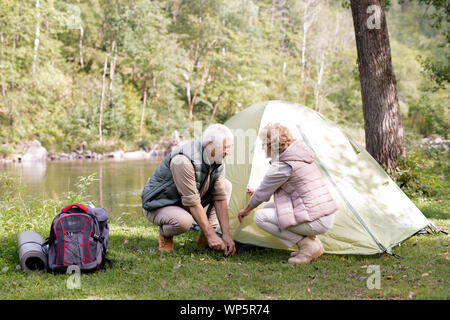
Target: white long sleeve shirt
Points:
(278, 173)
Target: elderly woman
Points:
(303, 206)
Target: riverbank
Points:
(34, 152)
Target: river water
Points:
(118, 188)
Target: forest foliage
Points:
(124, 73)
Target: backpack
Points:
(78, 236)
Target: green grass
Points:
(192, 272)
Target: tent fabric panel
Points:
(382, 212)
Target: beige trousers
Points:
(175, 220)
(267, 220)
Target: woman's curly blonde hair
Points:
(276, 133)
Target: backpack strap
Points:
(109, 262)
(98, 238)
(49, 240)
(70, 206)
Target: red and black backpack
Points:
(78, 236)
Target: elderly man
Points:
(190, 178)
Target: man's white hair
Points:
(216, 132)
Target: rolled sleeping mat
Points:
(32, 255)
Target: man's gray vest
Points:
(161, 191)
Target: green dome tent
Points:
(374, 214)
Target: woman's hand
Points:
(243, 213)
(250, 191)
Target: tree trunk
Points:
(216, 104)
(305, 30)
(81, 46)
(13, 58)
(305, 83)
(176, 10)
(197, 54)
(36, 38)
(112, 68)
(98, 41)
(100, 187)
(100, 118)
(191, 102)
(1, 60)
(382, 118)
(319, 82)
(405, 6)
(141, 126)
(188, 97)
(1, 42)
(4, 82)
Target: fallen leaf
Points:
(388, 277)
(245, 274)
(192, 255)
(202, 259)
(445, 255)
(426, 274)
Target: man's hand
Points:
(214, 242)
(199, 215)
(229, 245)
(222, 215)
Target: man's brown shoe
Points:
(165, 244)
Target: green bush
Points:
(424, 172)
(429, 117)
(20, 213)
